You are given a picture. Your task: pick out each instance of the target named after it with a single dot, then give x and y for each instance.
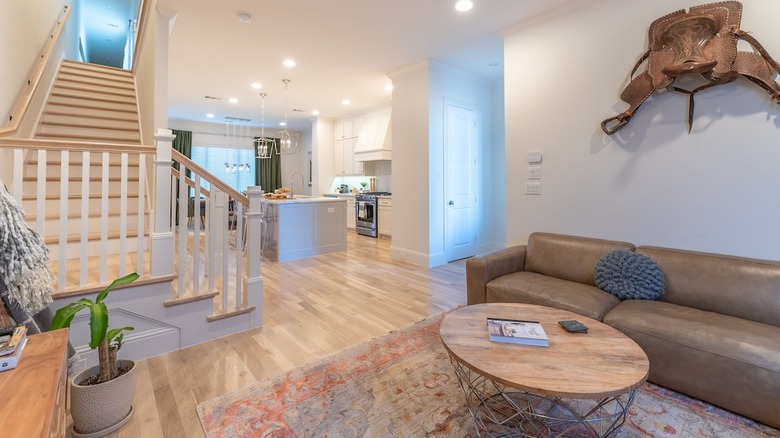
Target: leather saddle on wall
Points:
(703, 41)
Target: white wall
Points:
(714, 189)
(25, 27)
(419, 96)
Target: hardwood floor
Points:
(313, 307)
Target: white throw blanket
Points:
(23, 258)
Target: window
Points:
(214, 159)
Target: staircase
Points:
(91, 103)
(87, 105)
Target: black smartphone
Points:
(573, 326)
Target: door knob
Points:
(451, 203)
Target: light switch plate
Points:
(533, 188)
(535, 172)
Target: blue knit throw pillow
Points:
(629, 276)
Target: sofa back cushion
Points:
(729, 285)
(570, 258)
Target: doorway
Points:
(460, 140)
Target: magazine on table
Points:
(517, 332)
(10, 338)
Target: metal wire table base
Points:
(501, 411)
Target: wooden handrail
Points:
(59, 145)
(205, 174)
(203, 191)
(143, 12)
(35, 78)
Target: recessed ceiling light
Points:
(245, 17)
(389, 87)
(346, 102)
(464, 5)
(289, 63)
(315, 113)
(233, 100)
(209, 115)
(257, 85)
(282, 124)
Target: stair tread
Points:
(97, 79)
(92, 96)
(98, 113)
(92, 237)
(54, 197)
(64, 84)
(77, 215)
(77, 102)
(89, 122)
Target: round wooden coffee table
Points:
(581, 385)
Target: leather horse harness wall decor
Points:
(700, 41)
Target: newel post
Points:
(253, 280)
(162, 236)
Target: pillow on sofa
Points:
(628, 275)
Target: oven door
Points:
(365, 214)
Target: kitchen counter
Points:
(304, 227)
(303, 200)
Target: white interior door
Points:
(460, 212)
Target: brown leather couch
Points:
(714, 334)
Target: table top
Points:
(30, 390)
(598, 364)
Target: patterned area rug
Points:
(403, 385)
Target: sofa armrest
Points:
(480, 270)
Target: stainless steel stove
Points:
(366, 213)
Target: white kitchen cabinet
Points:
(385, 217)
(351, 215)
(344, 158)
(347, 128)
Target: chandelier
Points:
(242, 167)
(288, 141)
(264, 147)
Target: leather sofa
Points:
(714, 333)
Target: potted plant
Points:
(363, 185)
(101, 396)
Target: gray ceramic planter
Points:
(98, 410)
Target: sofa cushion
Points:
(736, 286)
(567, 257)
(728, 361)
(628, 275)
(533, 288)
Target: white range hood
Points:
(374, 142)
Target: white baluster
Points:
(104, 190)
(196, 238)
(84, 243)
(141, 213)
(63, 247)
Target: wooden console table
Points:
(33, 393)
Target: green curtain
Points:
(183, 144)
(268, 171)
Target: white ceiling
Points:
(343, 49)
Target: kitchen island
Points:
(303, 227)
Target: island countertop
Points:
(304, 200)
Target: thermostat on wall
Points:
(534, 157)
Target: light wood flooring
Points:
(313, 307)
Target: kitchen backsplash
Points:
(381, 170)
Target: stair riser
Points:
(63, 85)
(87, 134)
(93, 248)
(74, 187)
(67, 101)
(95, 171)
(89, 122)
(116, 82)
(74, 205)
(52, 227)
(105, 114)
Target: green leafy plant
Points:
(107, 341)
(363, 184)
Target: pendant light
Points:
(264, 147)
(288, 142)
